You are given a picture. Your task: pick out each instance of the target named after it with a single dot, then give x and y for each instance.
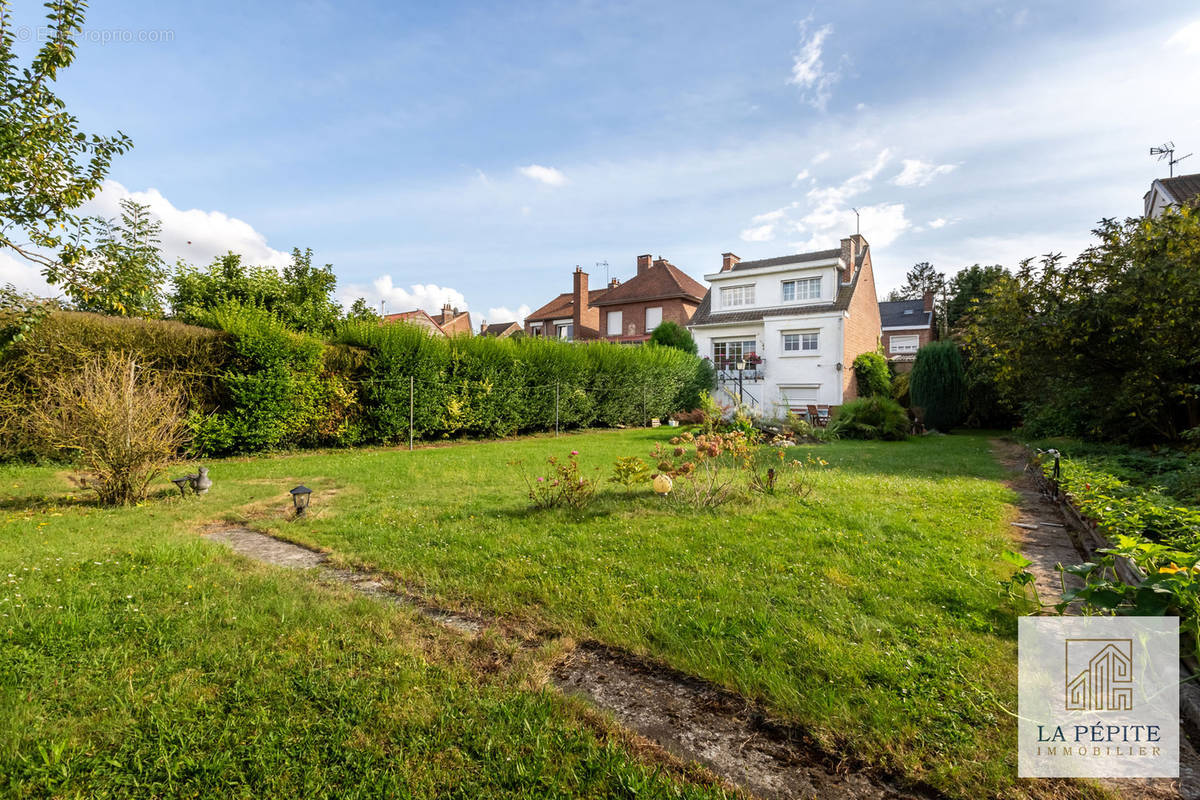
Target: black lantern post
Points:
(300, 498)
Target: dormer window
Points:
(732, 296)
(802, 289)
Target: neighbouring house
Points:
(569, 316)
(659, 292)
(451, 322)
(498, 330)
(907, 326)
(1166, 192)
(454, 322)
(416, 317)
(626, 312)
(794, 324)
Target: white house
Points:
(805, 317)
(1166, 192)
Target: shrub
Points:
(704, 469)
(565, 485)
(900, 385)
(937, 385)
(672, 334)
(630, 471)
(871, 418)
(871, 375)
(123, 425)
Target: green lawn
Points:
(869, 613)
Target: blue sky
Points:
(477, 153)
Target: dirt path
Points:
(687, 718)
(1046, 541)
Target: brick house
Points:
(451, 322)
(498, 330)
(907, 326)
(804, 318)
(620, 312)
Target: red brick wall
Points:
(861, 332)
(675, 310)
(925, 334)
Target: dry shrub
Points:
(123, 425)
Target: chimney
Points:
(614, 283)
(448, 312)
(579, 297)
(482, 327)
(728, 260)
(660, 262)
(643, 263)
(928, 298)
(852, 246)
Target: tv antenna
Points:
(1167, 151)
(857, 222)
(604, 264)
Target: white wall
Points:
(768, 286)
(780, 369)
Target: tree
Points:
(360, 311)
(871, 375)
(19, 312)
(48, 167)
(920, 279)
(123, 270)
(967, 287)
(670, 334)
(302, 297)
(937, 385)
(1106, 346)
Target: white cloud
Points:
(194, 235)
(916, 172)
(770, 216)
(427, 296)
(504, 314)
(808, 68)
(762, 233)
(547, 175)
(1186, 38)
(821, 156)
(802, 175)
(936, 223)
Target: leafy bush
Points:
(629, 471)
(937, 384)
(124, 427)
(565, 485)
(672, 334)
(871, 418)
(871, 375)
(900, 387)
(704, 469)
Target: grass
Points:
(869, 613)
(139, 661)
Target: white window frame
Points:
(650, 327)
(535, 330)
(720, 361)
(803, 338)
(912, 343)
(564, 330)
(737, 296)
(614, 320)
(811, 287)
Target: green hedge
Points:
(255, 385)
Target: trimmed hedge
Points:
(255, 385)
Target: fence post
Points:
(556, 408)
(645, 419)
(411, 388)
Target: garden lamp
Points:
(741, 365)
(300, 497)
(182, 483)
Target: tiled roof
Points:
(1182, 188)
(561, 306)
(663, 280)
(778, 261)
(705, 316)
(904, 314)
(497, 328)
